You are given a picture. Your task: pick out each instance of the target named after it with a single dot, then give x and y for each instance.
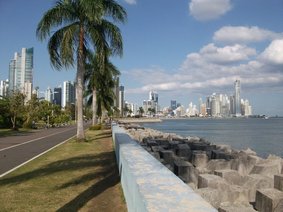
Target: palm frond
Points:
(63, 12)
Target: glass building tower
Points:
(21, 70)
(237, 98)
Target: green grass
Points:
(67, 178)
(11, 132)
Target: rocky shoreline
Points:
(230, 180)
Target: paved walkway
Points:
(17, 150)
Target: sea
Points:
(264, 136)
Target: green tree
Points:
(5, 120)
(100, 85)
(16, 107)
(141, 111)
(31, 111)
(75, 22)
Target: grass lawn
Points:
(74, 176)
(10, 132)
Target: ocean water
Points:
(264, 136)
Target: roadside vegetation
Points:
(74, 176)
(16, 112)
(83, 34)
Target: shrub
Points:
(96, 127)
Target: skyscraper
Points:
(237, 98)
(21, 72)
(121, 100)
(68, 93)
(3, 88)
(173, 104)
(57, 96)
(49, 95)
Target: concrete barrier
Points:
(147, 184)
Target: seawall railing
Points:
(147, 184)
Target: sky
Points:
(182, 49)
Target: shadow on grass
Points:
(105, 175)
(93, 191)
(10, 132)
(106, 134)
(70, 164)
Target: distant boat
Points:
(266, 117)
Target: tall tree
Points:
(16, 107)
(101, 81)
(74, 24)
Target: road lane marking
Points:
(33, 140)
(13, 169)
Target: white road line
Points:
(33, 140)
(2, 175)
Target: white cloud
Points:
(204, 10)
(273, 54)
(227, 54)
(214, 69)
(243, 34)
(131, 1)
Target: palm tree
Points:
(75, 22)
(141, 111)
(101, 81)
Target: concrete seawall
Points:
(230, 180)
(147, 184)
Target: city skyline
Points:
(182, 56)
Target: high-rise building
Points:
(21, 71)
(121, 100)
(49, 95)
(173, 104)
(57, 96)
(237, 98)
(153, 96)
(27, 91)
(68, 93)
(4, 88)
(116, 92)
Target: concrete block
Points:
(160, 141)
(173, 144)
(198, 146)
(211, 195)
(256, 181)
(219, 154)
(151, 143)
(244, 163)
(157, 148)
(267, 169)
(211, 181)
(213, 165)
(231, 176)
(278, 182)
(156, 155)
(168, 157)
(183, 150)
(227, 207)
(186, 171)
(199, 159)
(269, 200)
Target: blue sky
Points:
(183, 49)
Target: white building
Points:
(4, 85)
(49, 95)
(68, 93)
(21, 71)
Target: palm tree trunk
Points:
(79, 87)
(94, 107)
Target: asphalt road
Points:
(16, 150)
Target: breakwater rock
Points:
(230, 180)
